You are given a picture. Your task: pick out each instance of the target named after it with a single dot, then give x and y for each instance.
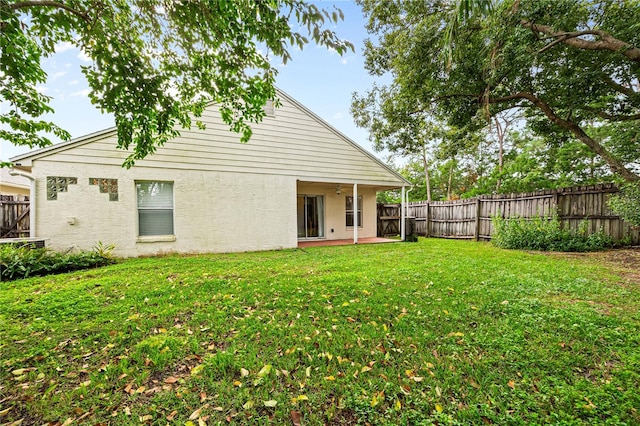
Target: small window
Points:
(349, 210)
(155, 208)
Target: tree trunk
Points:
(427, 178)
(500, 132)
(449, 182)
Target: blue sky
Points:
(320, 79)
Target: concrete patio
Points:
(320, 243)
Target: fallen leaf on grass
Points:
(270, 403)
(172, 415)
(197, 369)
(244, 372)
(439, 408)
(145, 418)
(196, 413)
(171, 379)
(67, 422)
(5, 411)
(511, 384)
(298, 398)
(377, 398)
(264, 371)
(296, 418)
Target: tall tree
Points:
(563, 63)
(156, 63)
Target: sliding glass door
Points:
(310, 216)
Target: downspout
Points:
(32, 199)
(355, 213)
(402, 207)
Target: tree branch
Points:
(612, 117)
(615, 164)
(567, 124)
(48, 3)
(619, 87)
(606, 41)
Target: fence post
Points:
(558, 208)
(427, 225)
(477, 233)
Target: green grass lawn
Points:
(434, 332)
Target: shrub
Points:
(23, 262)
(626, 204)
(546, 234)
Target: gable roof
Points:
(112, 132)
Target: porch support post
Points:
(402, 215)
(355, 213)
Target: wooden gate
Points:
(388, 220)
(14, 216)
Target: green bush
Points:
(626, 204)
(23, 262)
(546, 234)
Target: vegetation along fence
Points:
(14, 216)
(471, 218)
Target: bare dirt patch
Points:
(622, 262)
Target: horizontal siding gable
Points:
(292, 143)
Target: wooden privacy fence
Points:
(14, 216)
(471, 218)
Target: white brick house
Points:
(207, 192)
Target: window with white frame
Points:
(349, 207)
(155, 208)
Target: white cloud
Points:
(73, 82)
(63, 47)
(338, 116)
(84, 92)
(58, 74)
(83, 56)
(42, 89)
